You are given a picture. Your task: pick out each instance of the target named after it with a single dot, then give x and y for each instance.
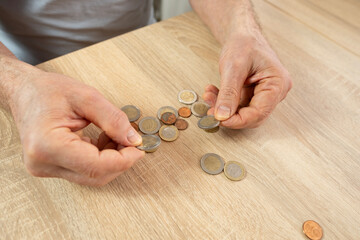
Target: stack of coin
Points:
(213, 164)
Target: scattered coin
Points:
(168, 133)
(168, 118)
(234, 171)
(150, 143)
(135, 126)
(132, 112)
(149, 125)
(181, 124)
(200, 109)
(312, 230)
(165, 109)
(187, 96)
(184, 112)
(212, 163)
(208, 122)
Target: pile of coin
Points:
(213, 164)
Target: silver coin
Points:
(200, 109)
(165, 109)
(150, 143)
(208, 122)
(149, 125)
(132, 112)
(212, 163)
(187, 96)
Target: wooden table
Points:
(303, 163)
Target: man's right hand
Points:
(49, 109)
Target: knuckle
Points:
(229, 92)
(91, 95)
(93, 172)
(34, 151)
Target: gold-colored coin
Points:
(150, 143)
(212, 163)
(169, 133)
(312, 230)
(187, 96)
(214, 130)
(165, 109)
(208, 122)
(234, 171)
(200, 109)
(149, 125)
(132, 112)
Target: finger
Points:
(84, 158)
(210, 98)
(233, 75)
(212, 88)
(266, 97)
(94, 107)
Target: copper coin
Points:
(312, 230)
(184, 112)
(181, 124)
(135, 126)
(168, 118)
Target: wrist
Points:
(13, 74)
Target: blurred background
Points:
(165, 9)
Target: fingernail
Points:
(222, 113)
(134, 137)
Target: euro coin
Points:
(181, 124)
(234, 171)
(312, 230)
(168, 133)
(132, 112)
(135, 126)
(168, 118)
(165, 109)
(208, 122)
(184, 112)
(200, 109)
(187, 96)
(150, 143)
(149, 125)
(214, 130)
(212, 163)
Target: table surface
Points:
(303, 163)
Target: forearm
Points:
(12, 73)
(227, 18)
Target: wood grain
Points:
(303, 163)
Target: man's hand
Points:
(49, 109)
(253, 82)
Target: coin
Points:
(181, 124)
(199, 109)
(214, 130)
(168, 133)
(168, 118)
(312, 230)
(208, 122)
(234, 171)
(187, 96)
(149, 125)
(150, 143)
(165, 109)
(132, 112)
(212, 163)
(135, 126)
(184, 112)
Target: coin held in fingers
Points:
(150, 143)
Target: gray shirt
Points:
(38, 30)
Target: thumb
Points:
(233, 77)
(95, 108)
